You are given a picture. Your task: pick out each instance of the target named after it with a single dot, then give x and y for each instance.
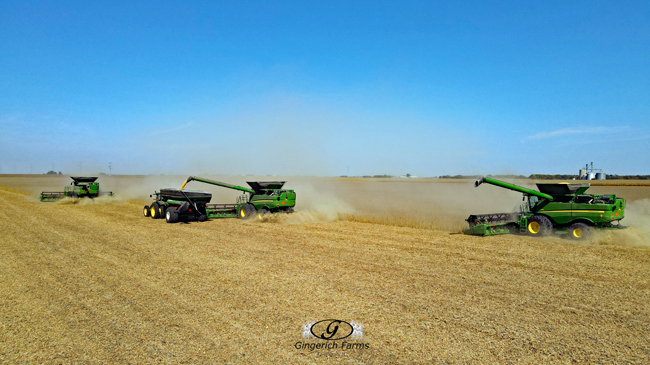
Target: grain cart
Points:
(260, 199)
(81, 187)
(560, 208)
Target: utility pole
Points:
(110, 169)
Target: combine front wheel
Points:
(579, 231)
(247, 211)
(538, 225)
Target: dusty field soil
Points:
(96, 282)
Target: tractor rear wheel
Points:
(247, 211)
(539, 225)
(579, 231)
(171, 215)
(146, 212)
(154, 211)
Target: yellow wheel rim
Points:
(577, 233)
(152, 211)
(533, 227)
(242, 213)
(145, 211)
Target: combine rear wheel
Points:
(203, 218)
(539, 225)
(262, 213)
(146, 212)
(154, 211)
(579, 231)
(247, 211)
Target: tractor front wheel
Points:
(154, 211)
(146, 212)
(579, 231)
(539, 225)
(247, 211)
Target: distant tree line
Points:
(628, 177)
(569, 177)
(379, 176)
(479, 176)
(512, 176)
(553, 177)
(547, 177)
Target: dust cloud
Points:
(416, 203)
(315, 203)
(637, 233)
(105, 199)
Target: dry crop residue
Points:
(100, 283)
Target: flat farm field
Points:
(94, 281)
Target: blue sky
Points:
(330, 88)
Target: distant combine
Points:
(82, 187)
(263, 198)
(561, 208)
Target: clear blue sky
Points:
(306, 88)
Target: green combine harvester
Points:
(82, 187)
(261, 199)
(560, 208)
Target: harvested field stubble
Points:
(97, 282)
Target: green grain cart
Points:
(80, 187)
(560, 208)
(260, 199)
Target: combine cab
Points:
(81, 187)
(260, 199)
(555, 209)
